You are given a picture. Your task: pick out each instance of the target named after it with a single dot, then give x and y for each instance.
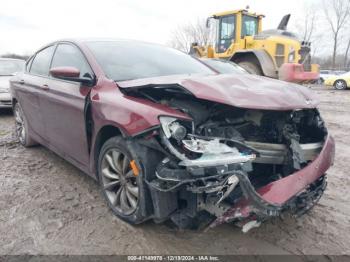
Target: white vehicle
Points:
(8, 68)
(325, 74)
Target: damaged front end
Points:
(230, 164)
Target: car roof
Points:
(83, 41)
(99, 39)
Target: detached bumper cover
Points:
(275, 195)
(295, 73)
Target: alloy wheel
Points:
(19, 124)
(340, 85)
(119, 182)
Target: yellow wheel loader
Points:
(275, 53)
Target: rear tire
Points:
(340, 85)
(251, 68)
(22, 129)
(123, 190)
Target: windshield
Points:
(224, 67)
(9, 67)
(128, 60)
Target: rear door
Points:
(64, 105)
(30, 87)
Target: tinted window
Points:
(69, 55)
(126, 60)
(41, 62)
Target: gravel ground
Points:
(47, 206)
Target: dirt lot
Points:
(47, 206)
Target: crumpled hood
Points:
(239, 90)
(4, 82)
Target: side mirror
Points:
(65, 72)
(71, 74)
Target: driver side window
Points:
(69, 55)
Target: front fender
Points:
(130, 115)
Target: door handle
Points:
(21, 82)
(45, 87)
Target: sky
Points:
(26, 25)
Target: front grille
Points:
(279, 56)
(279, 49)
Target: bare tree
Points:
(306, 26)
(184, 35)
(337, 14)
(346, 56)
(347, 50)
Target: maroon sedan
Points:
(168, 138)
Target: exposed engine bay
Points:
(224, 154)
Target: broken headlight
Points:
(173, 128)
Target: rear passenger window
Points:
(69, 55)
(41, 62)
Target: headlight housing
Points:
(172, 127)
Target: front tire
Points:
(123, 189)
(21, 125)
(340, 85)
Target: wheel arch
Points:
(341, 79)
(104, 133)
(259, 57)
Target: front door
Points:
(226, 33)
(64, 104)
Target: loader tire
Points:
(251, 68)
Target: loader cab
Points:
(232, 28)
